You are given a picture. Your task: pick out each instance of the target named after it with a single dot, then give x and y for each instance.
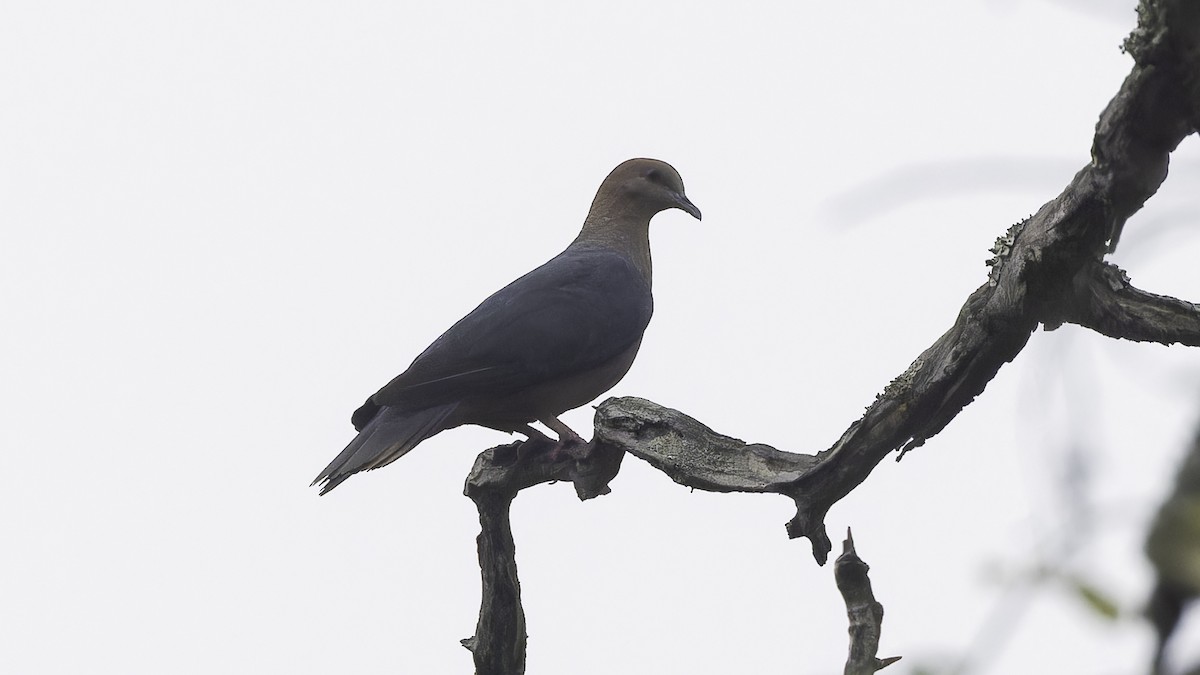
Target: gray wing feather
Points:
(578, 311)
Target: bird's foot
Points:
(568, 441)
(536, 444)
(571, 448)
(565, 433)
(540, 447)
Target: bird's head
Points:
(640, 188)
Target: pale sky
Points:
(227, 223)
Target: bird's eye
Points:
(654, 176)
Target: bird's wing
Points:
(578, 311)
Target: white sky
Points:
(226, 223)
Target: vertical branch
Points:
(866, 614)
(499, 641)
(499, 473)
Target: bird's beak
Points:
(686, 204)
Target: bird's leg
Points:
(532, 434)
(533, 439)
(566, 436)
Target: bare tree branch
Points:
(498, 645)
(1105, 301)
(698, 457)
(865, 613)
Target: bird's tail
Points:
(383, 440)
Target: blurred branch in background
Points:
(911, 183)
(1173, 547)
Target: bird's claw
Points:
(570, 447)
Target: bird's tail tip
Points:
(383, 440)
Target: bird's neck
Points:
(626, 233)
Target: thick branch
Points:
(498, 645)
(499, 641)
(698, 457)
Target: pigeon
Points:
(549, 342)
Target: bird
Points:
(551, 341)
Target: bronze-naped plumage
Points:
(551, 341)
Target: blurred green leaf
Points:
(1099, 601)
